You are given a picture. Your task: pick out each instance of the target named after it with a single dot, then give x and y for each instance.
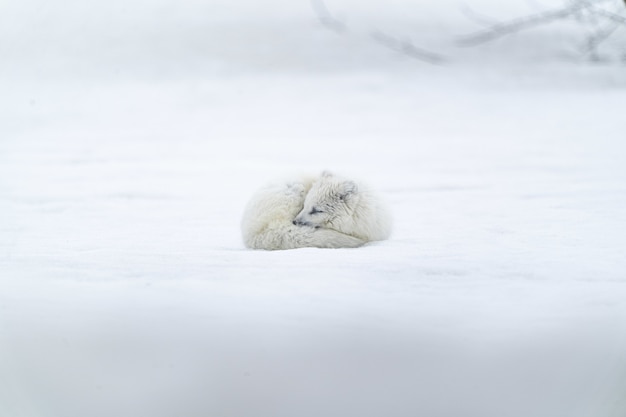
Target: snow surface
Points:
(133, 133)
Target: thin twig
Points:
(594, 41)
(611, 16)
(506, 28)
(407, 48)
(326, 18)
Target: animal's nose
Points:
(295, 223)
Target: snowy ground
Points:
(131, 136)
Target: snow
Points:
(133, 133)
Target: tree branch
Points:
(611, 16)
(326, 18)
(407, 48)
(594, 41)
(502, 29)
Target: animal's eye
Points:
(315, 210)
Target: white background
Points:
(132, 134)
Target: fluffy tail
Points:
(327, 238)
(293, 237)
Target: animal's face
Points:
(327, 202)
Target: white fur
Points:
(347, 207)
(268, 221)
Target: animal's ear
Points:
(326, 174)
(348, 188)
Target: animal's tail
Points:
(293, 237)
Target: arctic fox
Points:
(345, 206)
(327, 212)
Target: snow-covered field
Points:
(133, 133)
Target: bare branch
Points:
(611, 16)
(506, 28)
(326, 18)
(407, 48)
(593, 41)
(590, 13)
